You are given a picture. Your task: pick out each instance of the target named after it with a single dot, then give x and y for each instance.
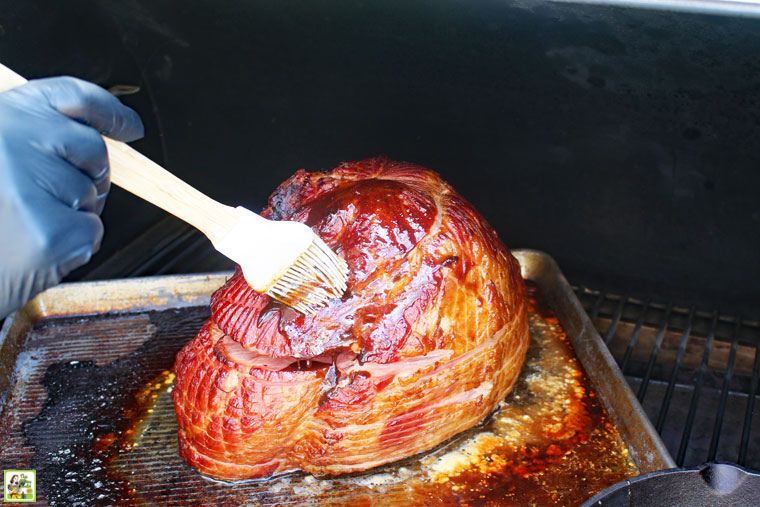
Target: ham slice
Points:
(428, 339)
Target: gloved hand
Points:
(54, 179)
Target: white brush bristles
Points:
(285, 260)
(316, 276)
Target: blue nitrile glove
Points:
(54, 179)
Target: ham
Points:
(428, 339)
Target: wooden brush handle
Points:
(139, 175)
(136, 173)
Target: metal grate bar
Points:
(615, 320)
(170, 246)
(674, 372)
(697, 389)
(193, 245)
(144, 253)
(634, 336)
(597, 305)
(724, 393)
(747, 426)
(154, 264)
(655, 350)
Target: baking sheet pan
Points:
(85, 380)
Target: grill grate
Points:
(695, 372)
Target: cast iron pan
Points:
(712, 484)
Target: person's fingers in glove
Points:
(55, 247)
(63, 181)
(92, 105)
(94, 111)
(75, 234)
(84, 102)
(54, 178)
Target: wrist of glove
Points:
(54, 179)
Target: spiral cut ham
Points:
(428, 339)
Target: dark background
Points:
(624, 142)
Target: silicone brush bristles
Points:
(316, 276)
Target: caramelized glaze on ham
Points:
(428, 339)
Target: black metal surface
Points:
(713, 485)
(663, 412)
(747, 425)
(729, 371)
(653, 356)
(695, 396)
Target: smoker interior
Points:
(622, 141)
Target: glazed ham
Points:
(428, 339)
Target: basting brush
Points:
(285, 260)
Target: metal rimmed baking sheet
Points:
(85, 377)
